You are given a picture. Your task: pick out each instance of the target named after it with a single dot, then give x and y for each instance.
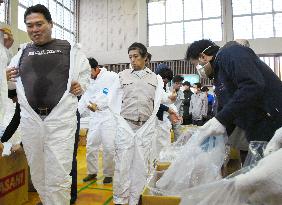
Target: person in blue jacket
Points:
(248, 91)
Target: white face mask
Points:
(201, 70)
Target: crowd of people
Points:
(131, 112)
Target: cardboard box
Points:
(82, 136)
(13, 179)
(148, 198)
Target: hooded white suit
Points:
(48, 143)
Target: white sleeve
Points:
(84, 71)
(82, 105)
(115, 97)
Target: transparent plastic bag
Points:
(169, 153)
(259, 183)
(194, 165)
(255, 152)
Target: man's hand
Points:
(275, 143)
(211, 128)
(173, 116)
(16, 148)
(1, 148)
(12, 74)
(75, 88)
(92, 106)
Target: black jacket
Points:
(186, 103)
(249, 92)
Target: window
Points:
(173, 22)
(257, 18)
(4, 11)
(63, 16)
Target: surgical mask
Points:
(201, 70)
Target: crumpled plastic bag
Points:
(169, 153)
(259, 183)
(194, 165)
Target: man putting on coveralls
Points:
(102, 128)
(138, 95)
(51, 75)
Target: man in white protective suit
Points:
(102, 128)
(51, 74)
(138, 95)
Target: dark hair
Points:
(160, 67)
(186, 83)
(38, 8)
(202, 46)
(93, 63)
(199, 85)
(205, 89)
(138, 46)
(177, 78)
(165, 72)
(149, 56)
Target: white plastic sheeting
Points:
(194, 165)
(260, 183)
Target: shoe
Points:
(90, 177)
(39, 203)
(108, 180)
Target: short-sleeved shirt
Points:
(44, 72)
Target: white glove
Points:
(262, 184)
(275, 143)
(211, 128)
(6, 149)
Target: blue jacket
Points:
(249, 93)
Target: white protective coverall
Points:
(102, 126)
(48, 143)
(134, 151)
(3, 81)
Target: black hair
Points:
(205, 89)
(202, 46)
(199, 85)
(38, 8)
(149, 56)
(93, 63)
(177, 78)
(166, 73)
(187, 83)
(140, 47)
